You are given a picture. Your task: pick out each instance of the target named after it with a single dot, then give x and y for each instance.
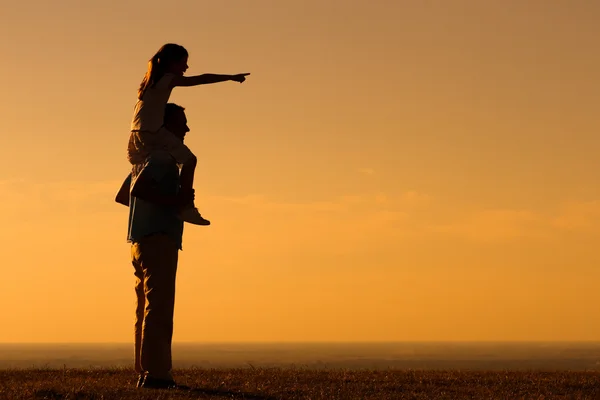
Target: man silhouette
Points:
(155, 233)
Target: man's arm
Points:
(145, 188)
(123, 194)
(205, 79)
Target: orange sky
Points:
(391, 170)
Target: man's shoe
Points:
(154, 383)
(140, 381)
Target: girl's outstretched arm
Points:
(205, 79)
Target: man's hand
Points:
(239, 77)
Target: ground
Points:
(298, 383)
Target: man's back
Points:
(146, 218)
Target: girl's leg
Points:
(187, 174)
(186, 181)
(183, 155)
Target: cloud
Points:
(342, 225)
(61, 190)
(578, 216)
(26, 199)
(413, 198)
(346, 203)
(356, 217)
(61, 211)
(496, 225)
(499, 225)
(366, 171)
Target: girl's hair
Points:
(159, 64)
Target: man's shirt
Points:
(146, 218)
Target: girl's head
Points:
(171, 58)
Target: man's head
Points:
(175, 120)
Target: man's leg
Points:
(140, 306)
(158, 254)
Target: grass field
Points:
(298, 383)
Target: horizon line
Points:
(310, 342)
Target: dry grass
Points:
(298, 383)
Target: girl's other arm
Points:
(205, 79)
